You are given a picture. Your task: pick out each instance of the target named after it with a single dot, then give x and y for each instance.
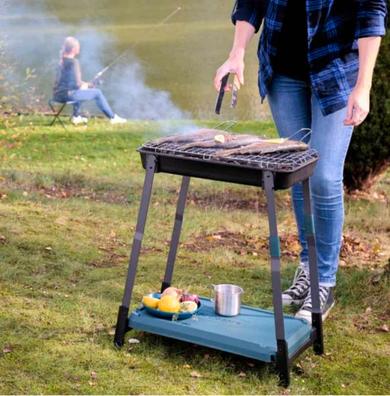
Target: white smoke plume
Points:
(32, 36)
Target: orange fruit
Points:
(168, 304)
(150, 302)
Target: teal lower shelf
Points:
(250, 334)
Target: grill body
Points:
(288, 167)
(263, 335)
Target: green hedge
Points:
(369, 153)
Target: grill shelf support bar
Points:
(123, 313)
(316, 316)
(176, 233)
(282, 360)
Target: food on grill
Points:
(169, 304)
(150, 301)
(188, 306)
(198, 135)
(265, 146)
(225, 141)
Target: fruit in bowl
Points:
(172, 301)
(169, 303)
(188, 306)
(173, 291)
(190, 297)
(150, 301)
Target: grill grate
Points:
(279, 161)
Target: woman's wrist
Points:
(364, 85)
(237, 53)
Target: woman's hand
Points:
(234, 64)
(84, 85)
(358, 106)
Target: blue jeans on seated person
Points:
(293, 107)
(82, 95)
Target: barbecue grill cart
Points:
(259, 334)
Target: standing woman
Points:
(316, 65)
(69, 85)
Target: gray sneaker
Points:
(326, 303)
(299, 289)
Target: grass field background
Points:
(68, 206)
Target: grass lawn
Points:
(68, 206)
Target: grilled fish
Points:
(198, 135)
(265, 146)
(225, 141)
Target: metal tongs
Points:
(221, 94)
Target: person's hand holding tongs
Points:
(234, 65)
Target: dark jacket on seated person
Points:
(68, 79)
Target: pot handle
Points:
(212, 286)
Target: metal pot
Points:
(227, 299)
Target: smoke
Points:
(31, 37)
(141, 101)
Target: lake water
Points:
(179, 57)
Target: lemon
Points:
(169, 304)
(188, 306)
(150, 302)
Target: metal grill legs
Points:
(282, 360)
(176, 233)
(122, 321)
(316, 316)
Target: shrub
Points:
(369, 154)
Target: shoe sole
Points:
(324, 315)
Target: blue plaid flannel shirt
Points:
(333, 29)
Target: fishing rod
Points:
(97, 77)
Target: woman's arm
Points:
(244, 31)
(247, 16)
(77, 74)
(359, 100)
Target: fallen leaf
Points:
(93, 374)
(187, 366)
(7, 349)
(48, 248)
(133, 341)
(242, 374)
(62, 220)
(195, 374)
(384, 328)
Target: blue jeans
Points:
(82, 95)
(293, 107)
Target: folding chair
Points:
(57, 113)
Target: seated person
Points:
(70, 87)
